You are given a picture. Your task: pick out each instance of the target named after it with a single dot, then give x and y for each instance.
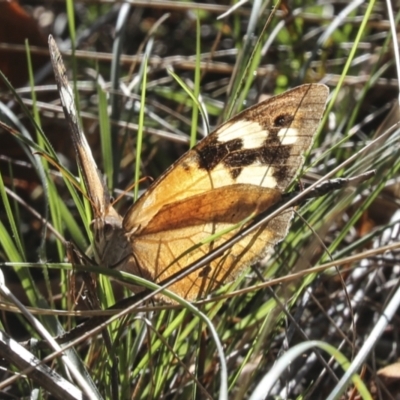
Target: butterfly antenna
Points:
(129, 189)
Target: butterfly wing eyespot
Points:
(283, 120)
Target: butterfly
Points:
(239, 170)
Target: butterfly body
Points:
(238, 171)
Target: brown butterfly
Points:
(239, 170)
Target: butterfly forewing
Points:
(93, 181)
(238, 171)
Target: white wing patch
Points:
(251, 133)
(288, 136)
(257, 175)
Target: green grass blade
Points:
(139, 140)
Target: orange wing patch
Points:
(165, 246)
